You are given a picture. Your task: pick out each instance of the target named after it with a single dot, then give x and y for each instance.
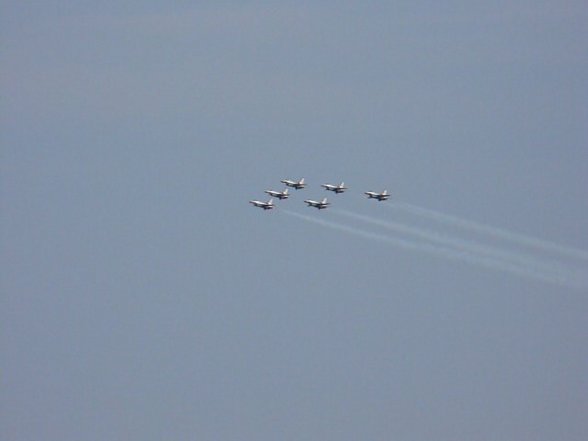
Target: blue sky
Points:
(143, 298)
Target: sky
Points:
(143, 297)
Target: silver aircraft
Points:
(336, 188)
(265, 205)
(318, 204)
(294, 184)
(379, 196)
(278, 194)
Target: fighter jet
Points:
(265, 205)
(318, 204)
(379, 196)
(294, 184)
(278, 194)
(336, 188)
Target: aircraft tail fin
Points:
(324, 201)
(301, 181)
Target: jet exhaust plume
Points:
(460, 243)
(448, 253)
(500, 233)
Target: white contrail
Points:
(500, 233)
(471, 246)
(448, 253)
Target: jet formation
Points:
(318, 204)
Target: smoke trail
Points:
(470, 246)
(448, 253)
(500, 233)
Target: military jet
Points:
(265, 205)
(379, 196)
(336, 188)
(294, 184)
(318, 204)
(278, 194)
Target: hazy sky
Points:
(143, 298)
